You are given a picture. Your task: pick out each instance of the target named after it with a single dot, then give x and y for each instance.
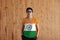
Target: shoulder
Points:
(36, 20)
(23, 20)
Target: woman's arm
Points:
(22, 29)
(37, 29)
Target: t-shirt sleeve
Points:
(23, 21)
(36, 21)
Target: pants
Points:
(25, 38)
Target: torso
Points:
(29, 28)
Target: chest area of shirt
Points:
(29, 21)
(29, 27)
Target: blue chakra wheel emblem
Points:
(29, 27)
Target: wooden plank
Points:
(9, 19)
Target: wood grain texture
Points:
(13, 11)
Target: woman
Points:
(30, 26)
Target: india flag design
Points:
(30, 27)
(30, 30)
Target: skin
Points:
(30, 17)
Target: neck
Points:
(30, 17)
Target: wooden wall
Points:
(13, 11)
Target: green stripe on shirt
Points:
(29, 34)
